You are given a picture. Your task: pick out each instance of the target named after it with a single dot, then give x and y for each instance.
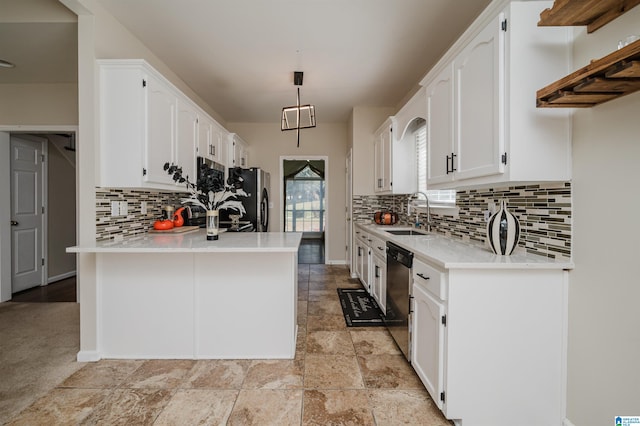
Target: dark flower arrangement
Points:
(210, 192)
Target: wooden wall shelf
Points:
(615, 75)
(592, 13)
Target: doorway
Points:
(305, 205)
(36, 256)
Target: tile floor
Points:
(311, 250)
(340, 376)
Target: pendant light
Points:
(298, 116)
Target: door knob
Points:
(14, 223)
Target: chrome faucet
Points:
(415, 195)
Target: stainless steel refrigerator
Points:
(256, 184)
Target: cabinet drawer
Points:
(378, 246)
(363, 237)
(430, 279)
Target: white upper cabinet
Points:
(219, 142)
(478, 74)
(160, 142)
(382, 157)
(238, 152)
(146, 122)
(187, 138)
(212, 140)
(440, 127)
(483, 124)
(137, 131)
(205, 128)
(394, 161)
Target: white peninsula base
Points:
(194, 303)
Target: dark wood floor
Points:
(60, 291)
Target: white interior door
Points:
(26, 214)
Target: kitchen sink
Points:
(405, 232)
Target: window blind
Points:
(436, 197)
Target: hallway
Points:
(339, 376)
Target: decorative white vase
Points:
(503, 231)
(212, 224)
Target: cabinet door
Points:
(378, 153)
(479, 100)
(360, 253)
(204, 137)
(440, 127)
(379, 282)
(382, 160)
(366, 268)
(215, 147)
(386, 146)
(187, 140)
(427, 342)
(245, 156)
(160, 140)
(223, 154)
(234, 153)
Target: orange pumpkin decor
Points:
(385, 218)
(163, 225)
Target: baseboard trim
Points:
(567, 422)
(88, 356)
(336, 262)
(61, 277)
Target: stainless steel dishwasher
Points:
(397, 315)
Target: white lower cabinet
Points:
(428, 329)
(362, 258)
(427, 350)
(379, 279)
(488, 344)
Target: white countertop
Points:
(196, 242)
(449, 253)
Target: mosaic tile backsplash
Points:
(544, 212)
(108, 227)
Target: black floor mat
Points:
(359, 309)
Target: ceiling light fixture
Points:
(6, 64)
(298, 116)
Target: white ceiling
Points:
(239, 55)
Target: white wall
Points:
(267, 143)
(38, 104)
(604, 325)
(113, 41)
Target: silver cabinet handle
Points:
(14, 223)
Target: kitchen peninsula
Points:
(161, 296)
